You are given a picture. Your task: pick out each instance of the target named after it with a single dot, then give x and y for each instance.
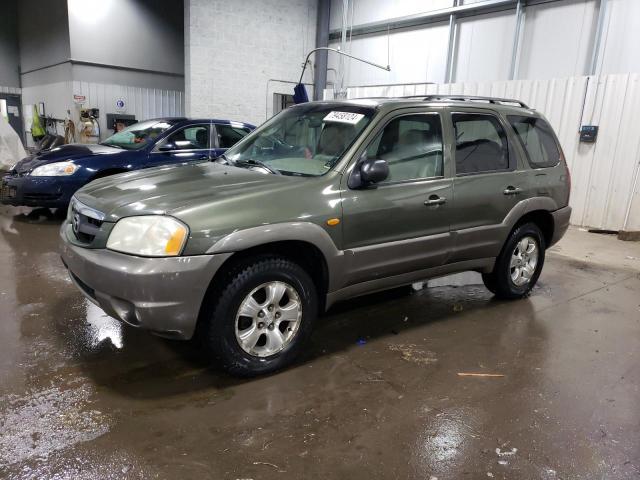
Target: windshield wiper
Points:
(257, 163)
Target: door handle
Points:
(512, 190)
(435, 200)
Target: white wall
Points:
(233, 48)
(556, 41)
(366, 11)
(621, 37)
(483, 47)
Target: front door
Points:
(487, 184)
(187, 144)
(402, 225)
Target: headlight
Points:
(58, 169)
(149, 236)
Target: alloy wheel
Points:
(268, 319)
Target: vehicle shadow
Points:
(11, 217)
(148, 367)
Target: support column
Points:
(451, 47)
(322, 40)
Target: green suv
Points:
(325, 201)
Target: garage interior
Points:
(439, 380)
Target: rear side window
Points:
(229, 135)
(536, 137)
(481, 143)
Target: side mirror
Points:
(167, 147)
(368, 172)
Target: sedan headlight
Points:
(58, 169)
(148, 236)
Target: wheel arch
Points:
(305, 254)
(106, 172)
(305, 243)
(543, 220)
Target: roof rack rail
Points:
(466, 98)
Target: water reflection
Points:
(101, 327)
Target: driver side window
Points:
(412, 147)
(194, 137)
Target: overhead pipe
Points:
(329, 49)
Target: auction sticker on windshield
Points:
(344, 117)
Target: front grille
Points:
(85, 222)
(41, 196)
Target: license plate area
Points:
(7, 191)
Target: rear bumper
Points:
(52, 192)
(560, 223)
(163, 295)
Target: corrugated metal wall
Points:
(606, 189)
(11, 90)
(144, 103)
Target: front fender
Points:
(287, 231)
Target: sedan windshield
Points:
(304, 140)
(138, 135)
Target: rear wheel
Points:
(262, 317)
(519, 264)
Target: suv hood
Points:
(63, 153)
(163, 190)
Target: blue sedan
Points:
(51, 177)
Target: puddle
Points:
(46, 420)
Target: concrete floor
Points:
(377, 396)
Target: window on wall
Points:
(481, 143)
(229, 135)
(536, 137)
(412, 147)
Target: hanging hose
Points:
(69, 131)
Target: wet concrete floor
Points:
(378, 394)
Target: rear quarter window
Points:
(537, 139)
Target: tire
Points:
(224, 327)
(512, 281)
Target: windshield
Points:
(304, 140)
(138, 135)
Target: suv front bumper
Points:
(163, 295)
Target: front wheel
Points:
(262, 318)
(519, 264)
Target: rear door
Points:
(402, 225)
(227, 135)
(487, 184)
(548, 174)
(186, 144)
